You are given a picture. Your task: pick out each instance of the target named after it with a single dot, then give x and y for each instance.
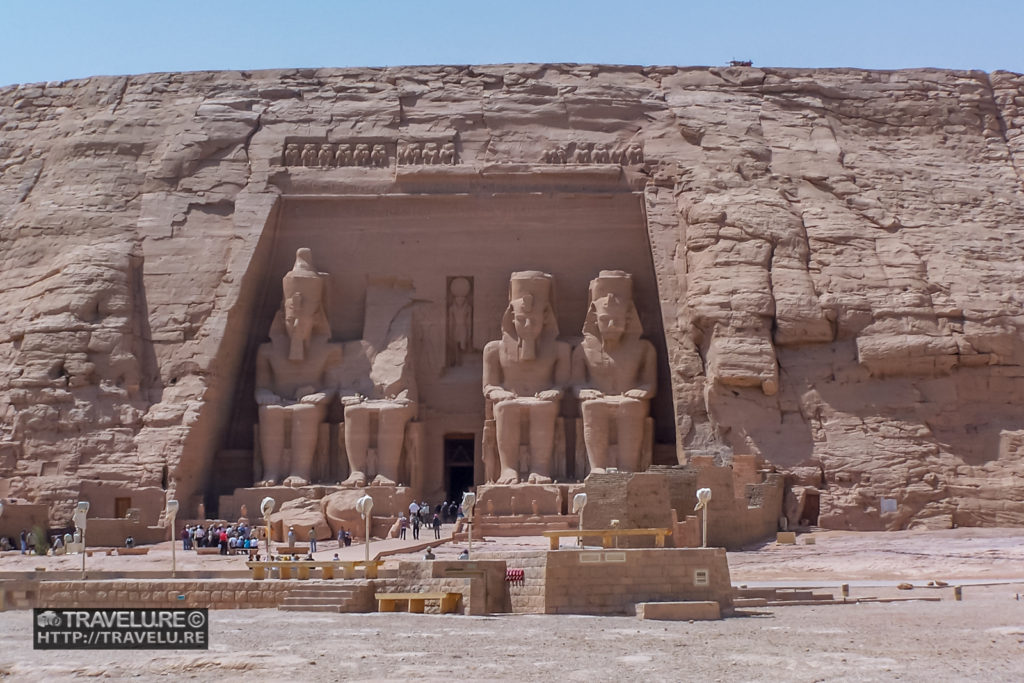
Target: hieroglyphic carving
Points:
(459, 319)
(594, 153)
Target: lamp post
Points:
(266, 507)
(703, 498)
(81, 513)
(579, 501)
(468, 502)
(172, 513)
(364, 506)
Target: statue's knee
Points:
(633, 407)
(505, 409)
(357, 414)
(593, 409)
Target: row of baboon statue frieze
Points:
(593, 153)
(526, 373)
(326, 155)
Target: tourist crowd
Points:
(227, 538)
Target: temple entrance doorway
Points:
(458, 465)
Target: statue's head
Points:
(527, 319)
(302, 311)
(530, 315)
(612, 315)
(459, 288)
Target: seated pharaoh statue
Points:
(295, 376)
(614, 375)
(524, 376)
(379, 388)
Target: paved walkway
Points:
(389, 546)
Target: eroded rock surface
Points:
(837, 253)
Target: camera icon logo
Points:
(48, 618)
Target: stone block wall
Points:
(745, 505)
(614, 581)
(213, 593)
(528, 596)
(481, 582)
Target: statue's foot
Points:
(508, 476)
(295, 481)
(355, 479)
(597, 470)
(265, 483)
(539, 478)
(381, 480)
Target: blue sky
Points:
(60, 39)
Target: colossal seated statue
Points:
(296, 376)
(379, 388)
(614, 374)
(524, 375)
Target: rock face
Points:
(836, 253)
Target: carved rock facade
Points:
(836, 256)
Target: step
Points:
(311, 600)
(310, 608)
(324, 592)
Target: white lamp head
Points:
(579, 501)
(364, 505)
(267, 506)
(81, 512)
(172, 508)
(703, 497)
(468, 503)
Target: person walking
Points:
(403, 524)
(416, 528)
(437, 525)
(24, 542)
(312, 540)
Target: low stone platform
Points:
(704, 610)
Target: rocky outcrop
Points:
(837, 255)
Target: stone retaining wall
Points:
(214, 594)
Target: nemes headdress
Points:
(613, 289)
(530, 290)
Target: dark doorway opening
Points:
(811, 508)
(121, 506)
(458, 465)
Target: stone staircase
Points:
(334, 596)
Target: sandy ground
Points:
(980, 638)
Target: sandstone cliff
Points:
(838, 257)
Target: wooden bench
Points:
(607, 535)
(387, 602)
(92, 551)
(215, 550)
(301, 568)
